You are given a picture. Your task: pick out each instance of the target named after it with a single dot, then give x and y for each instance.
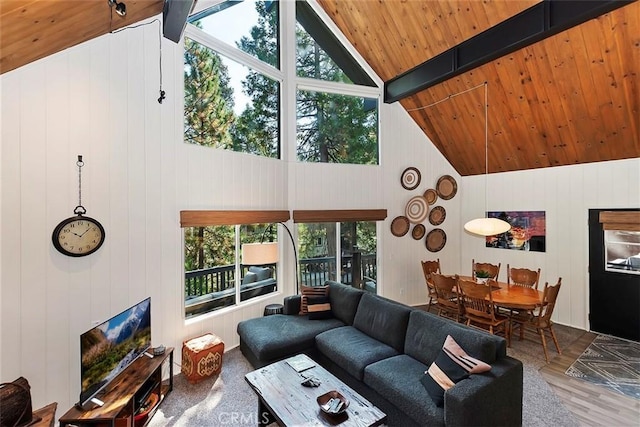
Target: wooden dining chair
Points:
(492, 269)
(429, 267)
(540, 319)
(480, 310)
(448, 302)
(523, 277)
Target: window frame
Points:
(235, 218)
(287, 76)
(340, 216)
(244, 59)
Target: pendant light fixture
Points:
(486, 226)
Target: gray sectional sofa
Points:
(382, 349)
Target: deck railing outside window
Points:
(314, 272)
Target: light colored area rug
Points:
(610, 362)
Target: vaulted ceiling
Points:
(33, 29)
(570, 98)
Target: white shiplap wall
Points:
(98, 99)
(566, 194)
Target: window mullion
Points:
(230, 52)
(305, 83)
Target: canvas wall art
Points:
(528, 231)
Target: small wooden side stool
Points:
(202, 357)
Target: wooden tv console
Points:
(126, 394)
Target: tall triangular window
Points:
(333, 124)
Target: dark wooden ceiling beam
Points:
(536, 23)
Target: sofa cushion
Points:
(426, 332)
(397, 379)
(451, 366)
(344, 301)
(319, 308)
(274, 337)
(383, 319)
(352, 349)
(311, 291)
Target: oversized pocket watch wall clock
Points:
(78, 235)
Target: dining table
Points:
(513, 296)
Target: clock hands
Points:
(85, 232)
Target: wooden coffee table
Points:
(283, 399)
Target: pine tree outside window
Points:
(233, 93)
(318, 248)
(233, 102)
(215, 276)
(333, 125)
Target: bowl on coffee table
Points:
(333, 403)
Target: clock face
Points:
(78, 236)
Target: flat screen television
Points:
(107, 349)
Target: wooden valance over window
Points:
(620, 220)
(347, 215)
(206, 218)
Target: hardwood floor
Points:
(590, 404)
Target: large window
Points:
(215, 275)
(232, 94)
(334, 123)
(339, 245)
(319, 248)
(233, 85)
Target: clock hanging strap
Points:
(80, 210)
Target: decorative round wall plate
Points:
(446, 187)
(436, 239)
(431, 195)
(418, 231)
(410, 178)
(417, 209)
(437, 215)
(399, 226)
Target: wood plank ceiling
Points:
(571, 98)
(33, 29)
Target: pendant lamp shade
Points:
(487, 226)
(260, 253)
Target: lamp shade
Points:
(260, 253)
(487, 226)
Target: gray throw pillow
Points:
(262, 273)
(249, 278)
